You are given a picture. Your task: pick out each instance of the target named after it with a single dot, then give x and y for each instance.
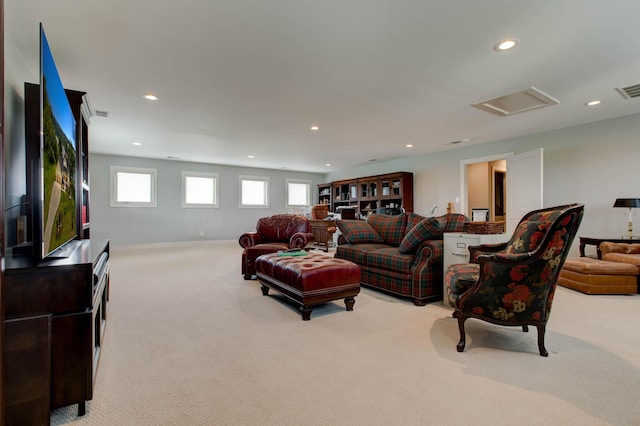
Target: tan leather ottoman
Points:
(595, 276)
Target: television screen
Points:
(57, 156)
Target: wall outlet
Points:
(202, 233)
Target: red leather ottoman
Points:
(309, 280)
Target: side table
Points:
(321, 229)
(585, 241)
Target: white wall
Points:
(592, 164)
(169, 221)
(479, 195)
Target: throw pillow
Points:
(390, 228)
(527, 237)
(427, 229)
(358, 232)
(413, 219)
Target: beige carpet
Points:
(189, 342)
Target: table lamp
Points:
(630, 203)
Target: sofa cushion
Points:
(390, 259)
(591, 266)
(427, 229)
(626, 248)
(390, 228)
(358, 232)
(624, 258)
(357, 253)
(527, 237)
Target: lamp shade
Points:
(627, 202)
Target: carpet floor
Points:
(190, 342)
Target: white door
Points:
(524, 186)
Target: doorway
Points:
(483, 185)
(499, 195)
(523, 183)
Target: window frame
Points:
(216, 190)
(265, 180)
(306, 182)
(113, 190)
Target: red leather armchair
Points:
(273, 233)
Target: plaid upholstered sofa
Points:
(399, 254)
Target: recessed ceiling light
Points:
(251, 156)
(409, 145)
(150, 97)
(593, 102)
(136, 143)
(328, 164)
(315, 127)
(506, 44)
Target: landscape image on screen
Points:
(58, 159)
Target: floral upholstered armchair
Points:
(513, 283)
(273, 233)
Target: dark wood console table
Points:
(584, 241)
(57, 310)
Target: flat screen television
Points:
(56, 186)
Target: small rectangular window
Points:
(133, 187)
(199, 190)
(254, 192)
(298, 193)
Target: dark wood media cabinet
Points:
(74, 293)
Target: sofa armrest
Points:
(300, 240)
(426, 271)
(249, 239)
(429, 251)
(475, 251)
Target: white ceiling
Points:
(249, 77)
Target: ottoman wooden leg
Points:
(265, 290)
(349, 301)
(306, 312)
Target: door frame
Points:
(464, 187)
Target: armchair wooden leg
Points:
(462, 342)
(541, 348)
(525, 328)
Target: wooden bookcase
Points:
(345, 194)
(324, 193)
(367, 194)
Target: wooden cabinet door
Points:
(28, 370)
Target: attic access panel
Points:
(513, 103)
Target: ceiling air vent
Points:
(101, 113)
(524, 100)
(629, 91)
